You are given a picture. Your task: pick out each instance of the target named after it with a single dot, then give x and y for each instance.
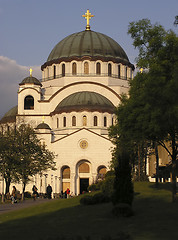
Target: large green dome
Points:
(87, 44)
(88, 101)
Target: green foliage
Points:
(22, 155)
(27, 195)
(150, 113)
(95, 186)
(107, 186)
(123, 187)
(94, 199)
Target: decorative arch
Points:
(29, 102)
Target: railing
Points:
(85, 75)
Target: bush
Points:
(122, 210)
(107, 186)
(95, 199)
(27, 195)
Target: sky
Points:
(29, 30)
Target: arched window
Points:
(54, 72)
(74, 68)
(130, 73)
(95, 121)
(48, 72)
(125, 72)
(98, 68)
(29, 103)
(101, 172)
(112, 121)
(66, 172)
(63, 70)
(109, 69)
(84, 120)
(73, 121)
(119, 71)
(64, 121)
(105, 121)
(57, 122)
(84, 168)
(86, 68)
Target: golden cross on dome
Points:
(88, 16)
(141, 69)
(30, 72)
(43, 118)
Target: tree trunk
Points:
(8, 182)
(23, 191)
(157, 161)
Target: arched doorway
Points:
(84, 174)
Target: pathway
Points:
(7, 207)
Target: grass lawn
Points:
(155, 218)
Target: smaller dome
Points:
(85, 101)
(43, 126)
(10, 116)
(31, 80)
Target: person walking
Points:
(49, 191)
(35, 192)
(13, 195)
(68, 192)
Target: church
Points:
(73, 105)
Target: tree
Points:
(22, 156)
(8, 157)
(153, 101)
(33, 157)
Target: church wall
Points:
(69, 152)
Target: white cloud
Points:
(11, 74)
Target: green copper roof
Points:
(87, 43)
(43, 126)
(31, 80)
(86, 100)
(10, 116)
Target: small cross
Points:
(43, 118)
(30, 72)
(88, 16)
(141, 70)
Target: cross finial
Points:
(88, 16)
(30, 72)
(141, 69)
(43, 118)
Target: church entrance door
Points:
(84, 183)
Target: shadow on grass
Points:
(155, 219)
(159, 186)
(79, 222)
